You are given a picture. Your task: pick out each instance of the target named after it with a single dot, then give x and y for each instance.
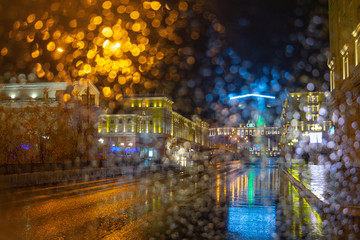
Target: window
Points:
(313, 99)
(314, 117)
(151, 122)
(332, 79)
(120, 121)
(129, 120)
(357, 51)
(315, 137)
(112, 121)
(151, 104)
(314, 108)
(345, 61)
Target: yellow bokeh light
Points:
(87, 68)
(107, 5)
(51, 46)
(146, 5)
(134, 15)
(106, 43)
(56, 35)
(155, 5)
(91, 54)
(30, 38)
(97, 20)
(60, 67)
(107, 32)
(121, 80)
(80, 36)
(60, 50)
(38, 67)
(142, 60)
(183, 6)
(46, 36)
(106, 91)
(4, 51)
(136, 27)
(35, 54)
(135, 51)
(31, 18)
(38, 25)
(73, 23)
(91, 27)
(41, 74)
(136, 77)
(112, 75)
(66, 97)
(121, 9)
(156, 23)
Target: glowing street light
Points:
(252, 95)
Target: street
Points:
(255, 201)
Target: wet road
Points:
(244, 202)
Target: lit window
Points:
(345, 61)
(315, 137)
(357, 51)
(332, 79)
(313, 99)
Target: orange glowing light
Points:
(107, 32)
(155, 5)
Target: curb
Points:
(321, 206)
(310, 197)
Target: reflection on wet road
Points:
(264, 205)
(254, 202)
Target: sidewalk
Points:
(330, 189)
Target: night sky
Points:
(262, 31)
(256, 29)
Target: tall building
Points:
(147, 125)
(305, 119)
(344, 30)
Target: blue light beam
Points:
(252, 95)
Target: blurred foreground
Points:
(220, 201)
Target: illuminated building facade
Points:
(41, 116)
(305, 118)
(27, 94)
(255, 138)
(344, 29)
(147, 125)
